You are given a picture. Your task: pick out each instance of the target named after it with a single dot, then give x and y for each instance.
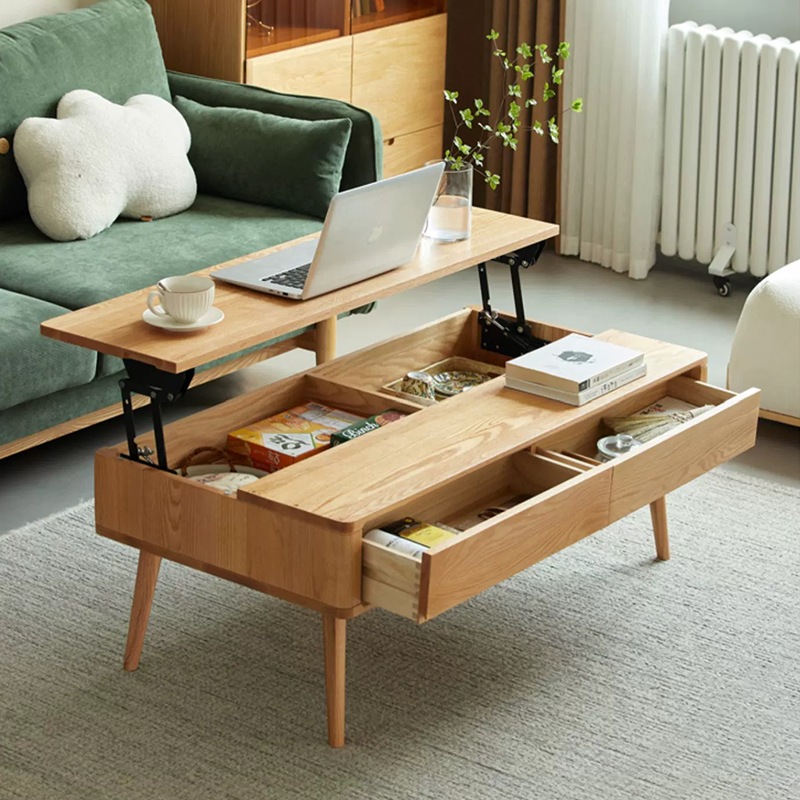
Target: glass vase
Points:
(450, 217)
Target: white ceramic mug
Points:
(184, 298)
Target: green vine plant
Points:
(507, 122)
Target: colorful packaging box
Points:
(288, 437)
(365, 426)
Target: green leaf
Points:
(563, 50)
(478, 103)
(484, 127)
(531, 102)
(493, 36)
(478, 159)
(537, 128)
(492, 179)
(548, 93)
(466, 116)
(514, 90)
(525, 50)
(514, 110)
(451, 97)
(553, 128)
(577, 105)
(545, 56)
(558, 74)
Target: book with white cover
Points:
(577, 398)
(574, 364)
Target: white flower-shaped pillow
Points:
(98, 160)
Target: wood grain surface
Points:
(116, 327)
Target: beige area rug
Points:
(598, 674)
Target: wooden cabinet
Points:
(393, 78)
(326, 69)
(387, 56)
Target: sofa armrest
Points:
(363, 162)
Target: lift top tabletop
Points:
(115, 327)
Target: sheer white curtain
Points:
(610, 170)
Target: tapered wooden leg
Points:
(334, 640)
(658, 513)
(326, 340)
(146, 577)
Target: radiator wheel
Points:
(723, 286)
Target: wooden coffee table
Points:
(298, 534)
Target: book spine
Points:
(612, 372)
(577, 398)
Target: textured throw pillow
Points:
(240, 154)
(98, 160)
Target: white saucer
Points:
(211, 317)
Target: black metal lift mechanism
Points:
(501, 334)
(498, 334)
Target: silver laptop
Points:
(368, 231)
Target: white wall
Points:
(775, 17)
(12, 11)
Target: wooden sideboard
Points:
(390, 61)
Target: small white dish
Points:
(211, 317)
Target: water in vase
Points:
(449, 219)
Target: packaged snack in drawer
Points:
(288, 437)
(420, 532)
(365, 426)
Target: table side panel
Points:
(185, 518)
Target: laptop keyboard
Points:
(293, 278)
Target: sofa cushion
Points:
(131, 255)
(364, 160)
(31, 365)
(111, 48)
(248, 155)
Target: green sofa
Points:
(112, 48)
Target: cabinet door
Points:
(398, 74)
(414, 150)
(322, 70)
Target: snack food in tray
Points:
(441, 380)
(286, 438)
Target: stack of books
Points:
(575, 370)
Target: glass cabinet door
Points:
(274, 25)
(369, 14)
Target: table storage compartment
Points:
(559, 506)
(456, 335)
(572, 496)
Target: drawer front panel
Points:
(685, 453)
(500, 548)
(398, 74)
(412, 151)
(322, 70)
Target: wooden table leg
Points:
(146, 577)
(326, 340)
(334, 640)
(658, 513)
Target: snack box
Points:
(286, 438)
(365, 426)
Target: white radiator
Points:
(731, 191)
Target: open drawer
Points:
(554, 494)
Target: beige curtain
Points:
(529, 176)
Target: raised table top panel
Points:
(115, 327)
(354, 485)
